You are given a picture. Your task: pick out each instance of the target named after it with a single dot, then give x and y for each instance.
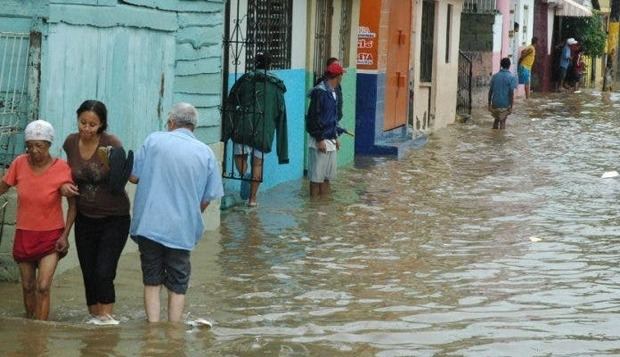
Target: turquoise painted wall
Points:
(137, 56)
(273, 173)
(116, 66)
(16, 10)
(15, 24)
(198, 71)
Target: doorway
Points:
(397, 73)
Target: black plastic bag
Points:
(121, 165)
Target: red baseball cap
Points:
(334, 69)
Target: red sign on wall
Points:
(367, 35)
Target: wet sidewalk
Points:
(480, 243)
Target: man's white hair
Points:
(184, 114)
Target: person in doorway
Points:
(579, 66)
(566, 59)
(177, 176)
(322, 126)
(608, 77)
(526, 61)
(338, 88)
(255, 110)
(501, 94)
(102, 223)
(41, 234)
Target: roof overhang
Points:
(570, 8)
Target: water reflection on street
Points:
(481, 243)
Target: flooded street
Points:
(482, 243)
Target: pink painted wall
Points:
(503, 6)
(496, 58)
(500, 50)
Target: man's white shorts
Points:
(241, 149)
(321, 166)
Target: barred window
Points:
(345, 31)
(322, 35)
(269, 31)
(428, 39)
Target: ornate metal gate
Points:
(252, 27)
(19, 93)
(464, 96)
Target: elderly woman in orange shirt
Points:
(41, 232)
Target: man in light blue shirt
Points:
(501, 94)
(177, 177)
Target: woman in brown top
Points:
(102, 222)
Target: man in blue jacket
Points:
(338, 88)
(322, 125)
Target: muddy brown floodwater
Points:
(480, 244)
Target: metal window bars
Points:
(269, 31)
(322, 36)
(428, 38)
(479, 7)
(345, 31)
(3, 206)
(464, 93)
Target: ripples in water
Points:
(480, 243)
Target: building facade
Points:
(492, 30)
(481, 39)
(547, 23)
(406, 51)
(300, 35)
(435, 64)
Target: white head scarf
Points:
(39, 130)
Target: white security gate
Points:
(14, 98)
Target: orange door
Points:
(397, 75)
